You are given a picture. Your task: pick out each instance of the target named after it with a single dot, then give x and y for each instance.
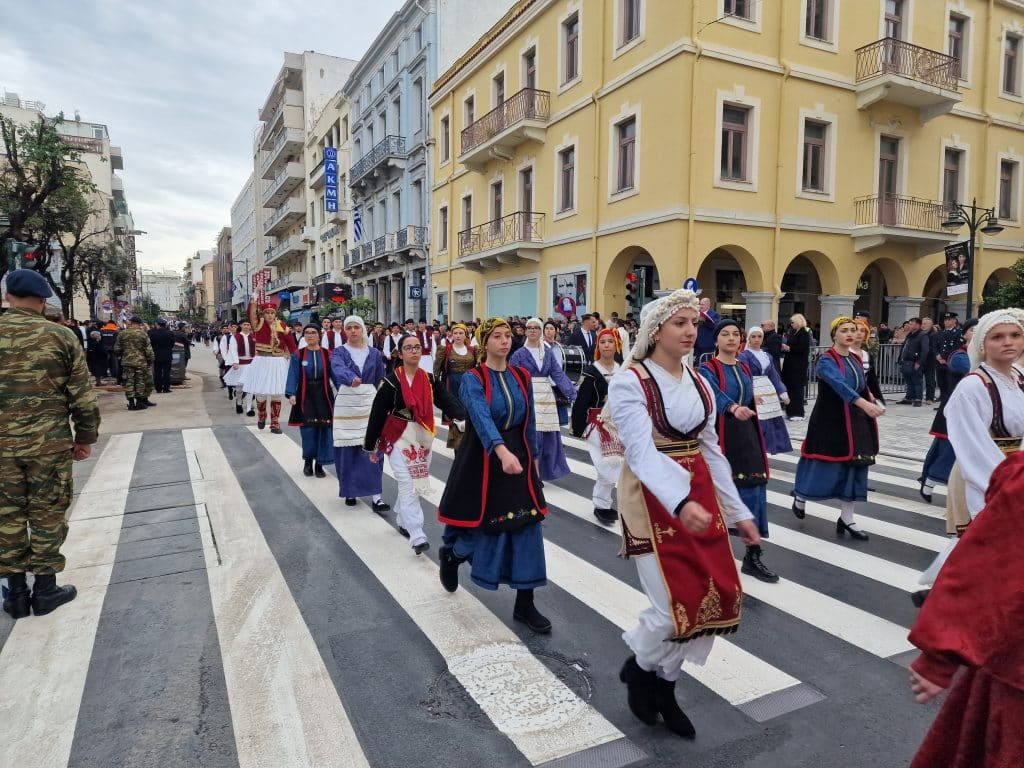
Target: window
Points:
(417, 106)
(951, 175)
(815, 135)
(1007, 189)
(496, 207)
(625, 167)
(816, 24)
(467, 212)
(97, 132)
(956, 46)
(1011, 65)
(469, 111)
(417, 39)
(530, 69)
(498, 84)
(394, 63)
(894, 19)
(526, 190)
(567, 179)
(630, 21)
(344, 129)
(734, 142)
(739, 8)
(442, 226)
(446, 139)
(571, 48)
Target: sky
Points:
(178, 85)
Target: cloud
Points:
(178, 86)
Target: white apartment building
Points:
(164, 287)
(244, 243)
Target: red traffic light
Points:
(631, 277)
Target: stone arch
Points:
(880, 277)
(721, 258)
(998, 277)
(633, 258)
(807, 276)
(825, 270)
(935, 300)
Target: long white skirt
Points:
(266, 376)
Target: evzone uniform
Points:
(240, 352)
(223, 342)
(267, 375)
(603, 445)
(331, 340)
(426, 339)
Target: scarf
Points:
(419, 398)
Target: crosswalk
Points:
(297, 631)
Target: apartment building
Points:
(797, 156)
(222, 274)
(244, 245)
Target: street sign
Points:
(107, 306)
(415, 291)
(566, 306)
(691, 285)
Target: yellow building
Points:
(791, 156)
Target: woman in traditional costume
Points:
(760, 363)
(974, 618)
(357, 369)
(555, 348)
(676, 500)
(867, 359)
(493, 503)
(739, 434)
(451, 363)
(402, 427)
(604, 448)
(842, 437)
(308, 389)
(547, 378)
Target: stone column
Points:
(397, 299)
(760, 307)
(832, 307)
(902, 308)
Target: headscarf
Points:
(611, 332)
(863, 323)
(535, 321)
(483, 333)
(841, 320)
(465, 330)
(754, 329)
(721, 325)
(357, 320)
(657, 312)
(976, 349)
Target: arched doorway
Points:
(882, 277)
(724, 276)
(935, 300)
(800, 288)
(999, 277)
(638, 261)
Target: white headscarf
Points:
(357, 320)
(754, 329)
(976, 349)
(657, 312)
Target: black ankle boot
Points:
(19, 600)
(132, 406)
(675, 719)
(449, 568)
(640, 691)
(526, 612)
(307, 467)
(48, 597)
(752, 565)
(318, 469)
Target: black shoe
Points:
(222, 384)
(403, 533)
(752, 565)
(231, 393)
(674, 717)
(261, 424)
(318, 469)
(307, 467)
(419, 549)
(526, 612)
(917, 403)
(350, 502)
(48, 597)
(18, 602)
(238, 408)
(380, 507)
(251, 413)
(275, 430)
(606, 516)
(924, 495)
(640, 691)
(147, 403)
(904, 401)
(918, 598)
(133, 405)
(855, 533)
(449, 568)
(798, 512)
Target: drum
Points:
(573, 362)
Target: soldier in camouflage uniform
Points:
(45, 381)
(136, 360)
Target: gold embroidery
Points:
(682, 621)
(659, 532)
(710, 606)
(738, 605)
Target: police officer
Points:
(949, 339)
(45, 381)
(162, 341)
(136, 358)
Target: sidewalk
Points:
(902, 431)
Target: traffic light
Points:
(632, 300)
(19, 255)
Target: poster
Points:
(958, 268)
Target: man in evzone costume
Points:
(241, 350)
(266, 376)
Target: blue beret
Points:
(134, 319)
(28, 282)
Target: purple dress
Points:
(776, 436)
(357, 475)
(551, 454)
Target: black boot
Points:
(238, 407)
(18, 602)
(606, 516)
(640, 691)
(307, 467)
(231, 393)
(526, 612)
(918, 598)
(318, 469)
(675, 719)
(48, 597)
(145, 402)
(449, 568)
(752, 565)
(132, 405)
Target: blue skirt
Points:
(939, 461)
(357, 475)
(816, 479)
(755, 498)
(776, 436)
(516, 559)
(552, 456)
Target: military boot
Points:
(132, 405)
(48, 597)
(145, 402)
(18, 600)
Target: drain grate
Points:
(781, 702)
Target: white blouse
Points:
(663, 477)
(358, 354)
(968, 418)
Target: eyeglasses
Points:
(413, 348)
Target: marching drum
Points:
(573, 362)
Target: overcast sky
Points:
(178, 84)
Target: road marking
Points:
(525, 701)
(47, 657)
(881, 477)
(285, 710)
(881, 499)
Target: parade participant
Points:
(96, 357)
(867, 358)
(554, 346)
(308, 389)
(842, 437)
(335, 337)
(241, 351)
(676, 497)
(357, 370)
(739, 434)
(427, 339)
(378, 336)
(493, 503)
(547, 377)
(136, 353)
(295, 329)
(760, 362)
(604, 448)
(796, 350)
(162, 341)
(974, 618)
(45, 389)
(392, 346)
(451, 363)
(401, 426)
(226, 332)
(266, 376)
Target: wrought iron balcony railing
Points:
(389, 146)
(900, 211)
(890, 56)
(411, 236)
(518, 227)
(527, 104)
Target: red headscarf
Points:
(419, 398)
(607, 332)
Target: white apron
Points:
(352, 414)
(544, 406)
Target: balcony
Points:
(898, 219)
(116, 158)
(520, 118)
(282, 218)
(281, 188)
(508, 240)
(339, 216)
(284, 148)
(316, 176)
(897, 71)
(388, 153)
(290, 246)
(287, 114)
(289, 77)
(289, 281)
(117, 187)
(411, 242)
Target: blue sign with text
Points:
(331, 179)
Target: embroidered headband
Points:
(656, 313)
(841, 320)
(484, 331)
(976, 349)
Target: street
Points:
(233, 612)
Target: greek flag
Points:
(357, 224)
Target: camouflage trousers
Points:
(35, 493)
(138, 381)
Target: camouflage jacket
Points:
(44, 381)
(134, 347)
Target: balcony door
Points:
(893, 51)
(888, 179)
(526, 203)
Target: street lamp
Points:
(975, 218)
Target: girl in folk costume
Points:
(842, 437)
(357, 369)
(605, 449)
(760, 364)
(241, 352)
(266, 376)
(676, 499)
(309, 391)
(867, 359)
(547, 376)
(739, 434)
(453, 360)
(554, 347)
(974, 618)
(493, 504)
(402, 427)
